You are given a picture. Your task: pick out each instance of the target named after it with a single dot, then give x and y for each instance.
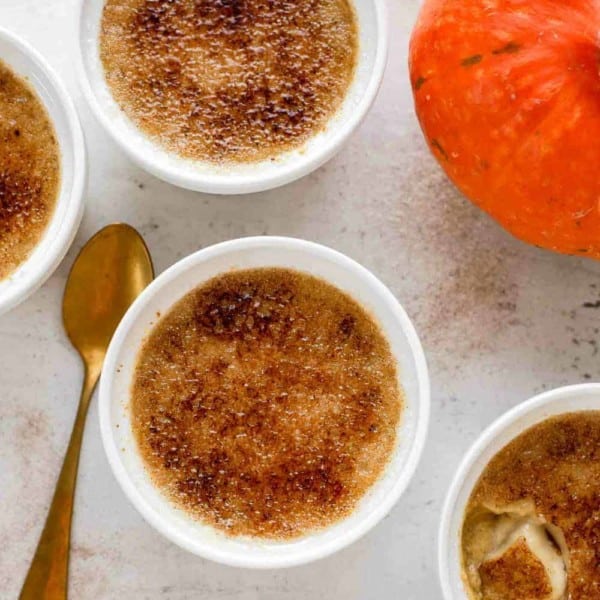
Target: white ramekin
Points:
(61, 230)
(169, 287)
(241, 179)
(561, 400)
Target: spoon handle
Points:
(47, 578)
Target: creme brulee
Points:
(29, 170)
(532, 524)
(229, 80)
(266, 403)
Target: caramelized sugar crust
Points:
(515, 576)
(266, 402)
(229, 80)
(556, 464)
(29, 170)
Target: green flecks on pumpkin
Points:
(471, 60)
(509, 48)
(435, 144)
(419, 82)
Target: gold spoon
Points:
(107, 276)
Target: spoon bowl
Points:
(117, 261)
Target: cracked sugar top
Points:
(266, 403)
(229, 81)
(29, 170)
(532, 525)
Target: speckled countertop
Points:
(499, 321)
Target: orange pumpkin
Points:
(508, 96)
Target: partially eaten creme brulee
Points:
(532, 524)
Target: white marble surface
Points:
(499, 322)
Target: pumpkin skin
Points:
(507, 93)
